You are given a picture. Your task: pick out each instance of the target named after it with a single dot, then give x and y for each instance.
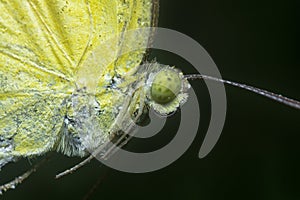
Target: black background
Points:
(257, 156)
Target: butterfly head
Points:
(166, 88)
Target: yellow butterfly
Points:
(53, 91)
(58, 89)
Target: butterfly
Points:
(58, 91)
(68, 83)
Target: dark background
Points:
(257, 156)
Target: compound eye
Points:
(166, 86)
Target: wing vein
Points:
(50, 33)
(90, 36)
(33, 64)
(122, 35)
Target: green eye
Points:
(165, 86)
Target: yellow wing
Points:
(96, 64)
(97, 68)
(43, 47)
(143, 13)
(42, 43)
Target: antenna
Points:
(276, 97)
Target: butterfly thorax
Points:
(92, 120)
